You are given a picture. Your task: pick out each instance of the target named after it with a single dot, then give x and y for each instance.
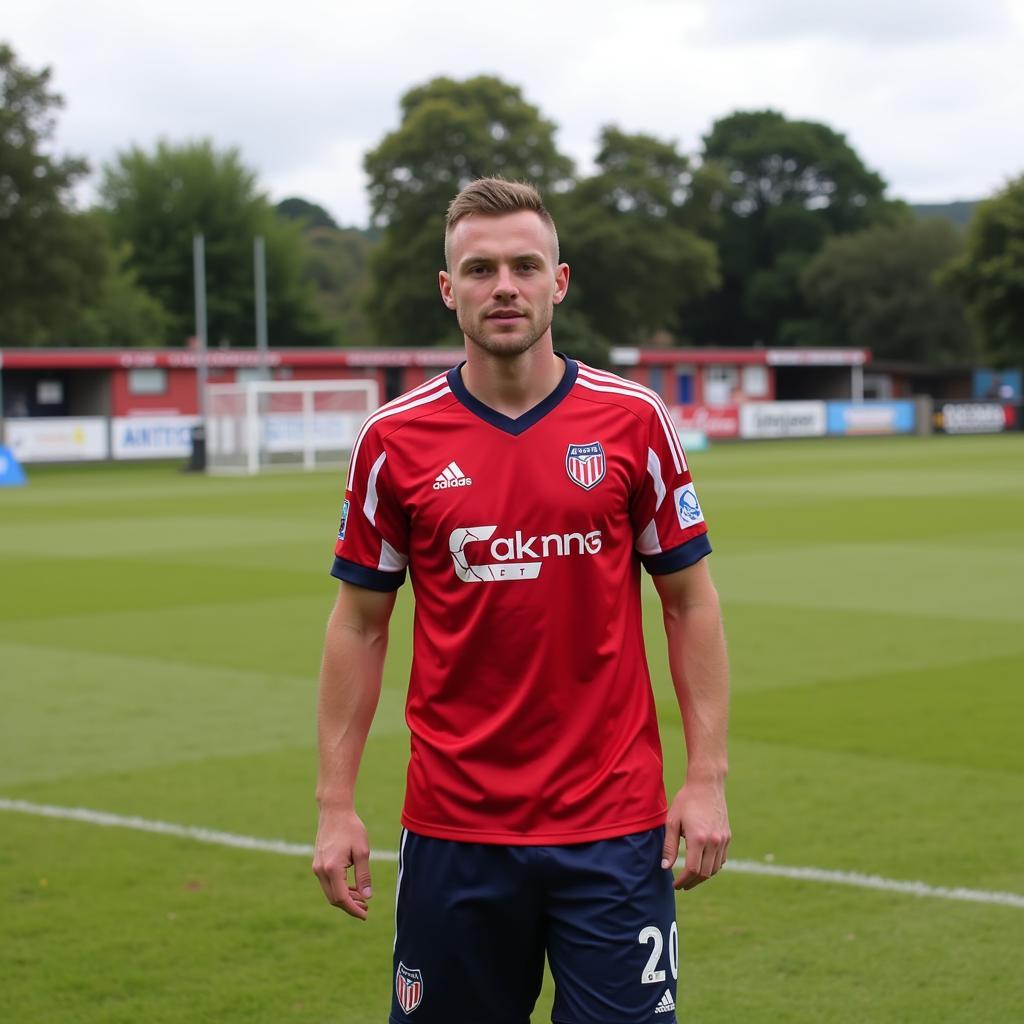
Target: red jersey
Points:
(529, 702)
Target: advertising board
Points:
(327, 431)
(783, 419)
(710, 420)
(57, 438)
(152, 437)
(974, 417)
(871, 417)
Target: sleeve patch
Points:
(687, 506)
(344, 519)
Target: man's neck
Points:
(512, 386)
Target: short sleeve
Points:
(372, 546)
(668, 522)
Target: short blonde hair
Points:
(493, 197)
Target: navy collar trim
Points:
(522, 423)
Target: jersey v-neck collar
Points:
(518, 424)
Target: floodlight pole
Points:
(199, 274)
(259, 255)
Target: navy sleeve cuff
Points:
(371, 579)
(685, 555)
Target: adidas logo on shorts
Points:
(451, 476)
(666, 1004)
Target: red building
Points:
(142, 403)
(162, 382)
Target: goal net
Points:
(302, 424)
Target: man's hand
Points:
(698, 814)
(341, 844)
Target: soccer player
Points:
(523, 491)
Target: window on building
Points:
(719, 384)
(147, 380)
(755, 381)
(49, 392)
(245, 374)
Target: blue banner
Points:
(871, 417)
(11, 473)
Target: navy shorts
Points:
(474, 922)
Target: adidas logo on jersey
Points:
(451, 476)
(666, 1004)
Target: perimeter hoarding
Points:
(716, 421)
(974, 417)
(783, 419)
(58, 439)
(862, 418)
(152, 437)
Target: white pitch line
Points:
(742, 867)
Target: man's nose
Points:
(505, 283)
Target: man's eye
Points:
(527, 266)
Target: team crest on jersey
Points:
(585, 464)
(408, 987)
(344, 520)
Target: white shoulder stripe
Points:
(401, 400)
(370, 502)
(391, 560)
(392, 409)
(648, 543)
(651, 397)
(678, 459)
(654, 468)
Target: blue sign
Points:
(871, 417)
(11, 473)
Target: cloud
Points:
(893, 23)
(925, 90)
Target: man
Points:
(523, 491)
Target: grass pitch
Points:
(159, 642)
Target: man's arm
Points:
(700, 674)
(350, 678)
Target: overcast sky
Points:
(929, 92)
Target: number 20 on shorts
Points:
(652, 974)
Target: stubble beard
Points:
(476, 331)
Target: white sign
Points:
(323, 431)
(152, 437)
(58, 438)
(783, 419)
(816, 356)
(973, 418)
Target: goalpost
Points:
(301, 424)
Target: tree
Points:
(155, 202)
(120, 312)
(308, 214)
(792, 185)
(451, 132)
(337, 266)
(879, 289)
(44, 248)
(634, 262)
(990, 274)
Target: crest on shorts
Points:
(585, 464)
(408, 987)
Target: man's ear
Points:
(444, 281)
(561, 282)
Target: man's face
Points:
(503, 281)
